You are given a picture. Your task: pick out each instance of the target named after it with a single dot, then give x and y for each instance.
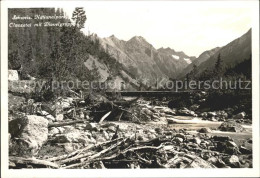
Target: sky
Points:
(191, 27)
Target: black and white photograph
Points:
(127, 85)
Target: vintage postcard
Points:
(131, 88)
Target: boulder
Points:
(244, 150)
(146, 111)
(72, 137)
(59, 117)
(105, 135)
(91, 126)
(31, 131)
(168, 111)
(13, 75)
(202, 100)
(181, 135)
(158, 130)
(68, 147)
(189, 161)
(186, 112)
(204, 130)
(53, 131)
(231, 127)
(194, 107)
(211, 114)
(213, 160)
(111, 129)
(178, 140)
(204, 115)
(50, 118)
(233, 161)
(240, 115)
(222, 114)
(196, 140)
(232, 148)
(220, 163)
(221, 138)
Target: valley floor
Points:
(143, 136)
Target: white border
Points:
(125, 172)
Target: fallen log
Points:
(78, 152)
(76, 158)
(120, 115)
(104, 117)
(59, 124)
(93, 157)
(32, 161)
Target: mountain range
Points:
(142, 61)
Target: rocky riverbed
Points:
(144, 135)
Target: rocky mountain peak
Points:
(138, 39)
(166, 50)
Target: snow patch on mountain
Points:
(176, 57)
(187, 60)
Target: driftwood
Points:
(82, 150)
(110, 153)
(93, 157)
(121, 152)
(122, 112)
(104, 117)
(59, 124)
(32, 161)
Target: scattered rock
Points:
(220, 163)
(140, 138)
(68, 147)
(194, 107)
(250, 141)
(221, 138)
(181, 135)
(105, 135)
(186, 112)
(158, 130)
(59, 117)
(197, 162)
(72, 137)
(13, 75)
(240, 115)
(232, 148)
(233, 161)
(204, 130)
(91, 126)
(196, 140)
(178, 140)
(212, 114)
(168, 111)
(50, 118)
(111, 129)
(146, 111)
(213, 160)
(65, 102)
(32, 132)
(53, 131)
(231, 127)
(244, 150)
